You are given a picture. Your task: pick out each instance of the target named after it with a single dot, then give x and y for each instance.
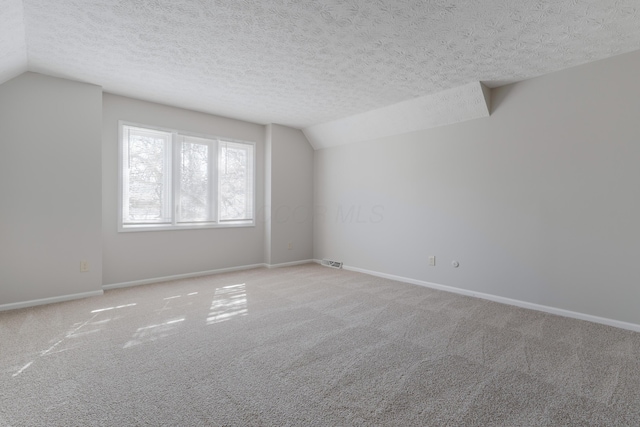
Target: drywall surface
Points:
(289, 204)
(50, 147)
(455, 105)
(13, 43)
(132, 256)
(538, 202)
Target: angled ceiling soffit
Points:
(13, 46)
(471, 101)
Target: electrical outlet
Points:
(432, 260)
(84, 266)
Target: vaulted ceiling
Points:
(309, 62)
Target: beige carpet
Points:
(310, 346)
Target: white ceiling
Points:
(471, 101)
(304, 63)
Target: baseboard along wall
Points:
(200, 273)
(490, 297)
(503, 300)
(61, 298)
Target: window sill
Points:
(168, 227)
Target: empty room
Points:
(319, 213)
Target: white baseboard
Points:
(200, 273)
(62, 298)
(180, 276)
(290, 264)
(503, 300)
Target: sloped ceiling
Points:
(471, 101)
(13, 47)
(305, 63)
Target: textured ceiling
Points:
(467, 102)
(13, 49)
(302, 63)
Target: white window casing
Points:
(172, 180)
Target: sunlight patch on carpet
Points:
(228, 302)
(153, 332)
(113, 308)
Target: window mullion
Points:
(175, 181)
(125, 170)
(213, 176)
(168, 178)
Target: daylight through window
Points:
(172, 180)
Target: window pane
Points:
(194, 180)
(235, 181)
(147, 176)
(173, 181)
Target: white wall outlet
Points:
(84, 266)
(432, 260)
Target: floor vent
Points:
(332, 264)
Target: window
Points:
(171, 180)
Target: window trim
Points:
(174, 184)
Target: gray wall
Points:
(50, 147)
(538, 203)
(289, 205)
(133, 256)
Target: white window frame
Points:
(173, 163)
